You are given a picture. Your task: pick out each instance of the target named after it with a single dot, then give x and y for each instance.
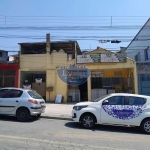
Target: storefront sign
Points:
(101, 57)
(58, 98)
(74, 75)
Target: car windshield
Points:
(100, 98)
(34, 94)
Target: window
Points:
(116, 100)
(34, 94)
(100, 98)
(146, 54)
(3, 92)
(13, 94)
(145, 77)
(0, 54)
(136, 101)
(138, 57)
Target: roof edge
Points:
(138, 33)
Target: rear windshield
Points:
(34, 94)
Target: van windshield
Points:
(100, 98)
(34, 94)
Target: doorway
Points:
(33, 79)
(83, 91)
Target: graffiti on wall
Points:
(101, 57)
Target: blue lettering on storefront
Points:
(74, 75)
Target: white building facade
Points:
(139, 50)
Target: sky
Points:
(86, 21)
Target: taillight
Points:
(33, 101)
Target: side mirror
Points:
(105, 102)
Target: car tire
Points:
(23, 114)
(88, 121)
(145, 126)
(37, 116)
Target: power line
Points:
(75, 28)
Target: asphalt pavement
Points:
(53, 134)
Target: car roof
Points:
(129, 94)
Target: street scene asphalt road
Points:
(51, 134)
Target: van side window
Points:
(116, 100)
(136, 100)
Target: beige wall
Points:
(34, 61)
(49, 63)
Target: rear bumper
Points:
(37, 110)
(41, 107)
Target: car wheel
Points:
(145, 126)
(88, 121)
(23, 114)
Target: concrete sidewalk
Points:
(58, 111)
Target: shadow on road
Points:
(14, 119)
(131, 130)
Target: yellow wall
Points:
(110, 73)
(51, 62)
(34, 61)
(51, 82)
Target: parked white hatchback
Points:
(21, 103)
(115, 109)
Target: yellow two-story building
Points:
(109, 72)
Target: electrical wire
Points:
(87, 24)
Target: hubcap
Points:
(22, 115)
(88, 121)
(147, 126)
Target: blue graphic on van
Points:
(124, 112)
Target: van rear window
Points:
(34, 94)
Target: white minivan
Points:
(121, 109)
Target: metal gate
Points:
(7, 78)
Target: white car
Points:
(21, 103)
(115, 109)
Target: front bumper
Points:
(75, 115)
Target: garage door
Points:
(144, 84)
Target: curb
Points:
(56, 117)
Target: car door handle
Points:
(17, 101)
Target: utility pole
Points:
(5, 20)
(111, 21)
(75, 54)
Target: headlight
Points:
(79, 107)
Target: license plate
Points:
(42, 104)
